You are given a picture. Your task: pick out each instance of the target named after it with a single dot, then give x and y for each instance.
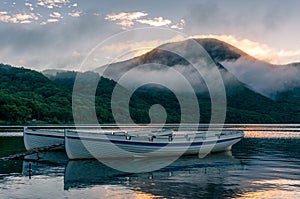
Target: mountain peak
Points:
(218, 50)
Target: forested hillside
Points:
(28, 97)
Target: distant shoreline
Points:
(247, 127)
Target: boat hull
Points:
(41, 138)
(92, 145)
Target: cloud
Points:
(238, 14)
(52, 45)
(52, 3)
(179, 25)
(130, 49)
(263, 77)
(125, 19)
(29, 5)
(37, 14)
(55, 15)
(158, 21)
(25, 22)
(17, 18)
(121, 50)
(126, 16)
(75, 14)
(40, 3)
(163, 74)
(258, 50)
(56, 1)
(52, 20)
(128, 19)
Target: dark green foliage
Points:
(246, 106)
(290, 103)
(27, 96)
(145, 97)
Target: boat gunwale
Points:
(157, 144)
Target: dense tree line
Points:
(27, 97)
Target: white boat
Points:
(36, 138)
(121, 144)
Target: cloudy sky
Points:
(59, 34)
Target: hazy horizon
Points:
(47, 34)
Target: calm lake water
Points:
(265, 164)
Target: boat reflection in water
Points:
(259, 168)
(45, 163)
(85, 174)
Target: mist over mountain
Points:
(243, 105)
(235, 66)
(265, 78)
(256, 91)
(52, 72)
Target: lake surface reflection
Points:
(257, 167)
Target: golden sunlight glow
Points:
(287, 190)
(255, 49)
(273, 193)
(258, 50)
(119, 192)
(134, 48)
(142, 52)
(146, 47)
